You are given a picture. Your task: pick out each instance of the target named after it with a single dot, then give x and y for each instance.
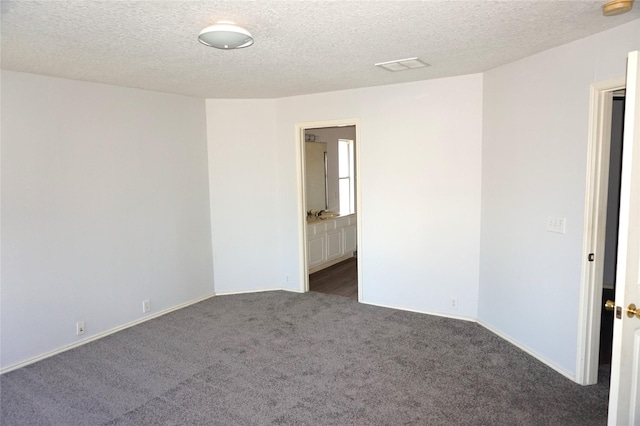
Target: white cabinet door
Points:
(331, 241)
(334, 244)
(316, 250)
(350, 240)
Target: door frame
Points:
(590, 304)
(302, 202)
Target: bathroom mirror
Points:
(329, 184)
(316, 175)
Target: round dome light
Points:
(225, 36)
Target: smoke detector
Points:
(617, 7)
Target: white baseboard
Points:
(103, 334)
(567, 374)
(260, 290)
(437, 314)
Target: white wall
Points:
(104, 204)
(420, 151)
(243, 194)
(534, 166)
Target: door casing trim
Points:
(302, 202)
(597, 177)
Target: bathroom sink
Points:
(328, 215)
(314, 215)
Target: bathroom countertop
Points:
(311, 220)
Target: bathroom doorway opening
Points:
(329, 207)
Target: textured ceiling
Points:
(300, 47)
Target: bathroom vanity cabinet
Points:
(330, 241)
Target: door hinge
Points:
(591, 257)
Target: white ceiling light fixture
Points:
(225, 35)
(402, 64)
(617, 7)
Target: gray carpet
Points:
(282, 358)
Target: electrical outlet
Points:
(146, 306)
(454, 303)
(556, 224)
(79, 328)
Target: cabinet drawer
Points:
(315, 229)
(342, 222)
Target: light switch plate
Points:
(556, 224)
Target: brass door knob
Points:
(610, 305)
(632, 311)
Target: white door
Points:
(624, 399)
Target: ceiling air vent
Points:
(402, 64)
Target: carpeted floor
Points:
(281, 358)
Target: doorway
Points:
(592, 319)
(612, 221)
(329, 207)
